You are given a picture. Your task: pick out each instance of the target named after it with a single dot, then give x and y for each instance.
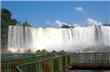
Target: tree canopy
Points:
(26, 24)
(106, 24)
(66, 26)
(6, 18)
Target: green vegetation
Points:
(66, 26)
(106, 24)
(26, 24)
(42, 52)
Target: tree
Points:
(26, 24)
(44, 52)
(62, 52)
(38, 52)
(106, 24)
(54, 53)
(66, 26)
(6, 20)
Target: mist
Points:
(90, 38)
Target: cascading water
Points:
(91, 38)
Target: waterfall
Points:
(19, 38)
(93, 38)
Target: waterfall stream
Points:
(92, 38)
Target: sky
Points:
(56, 13)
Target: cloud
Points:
(57, 23)
(79, 9)
(51, 23)
(91, 21)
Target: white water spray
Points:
(69, 39)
